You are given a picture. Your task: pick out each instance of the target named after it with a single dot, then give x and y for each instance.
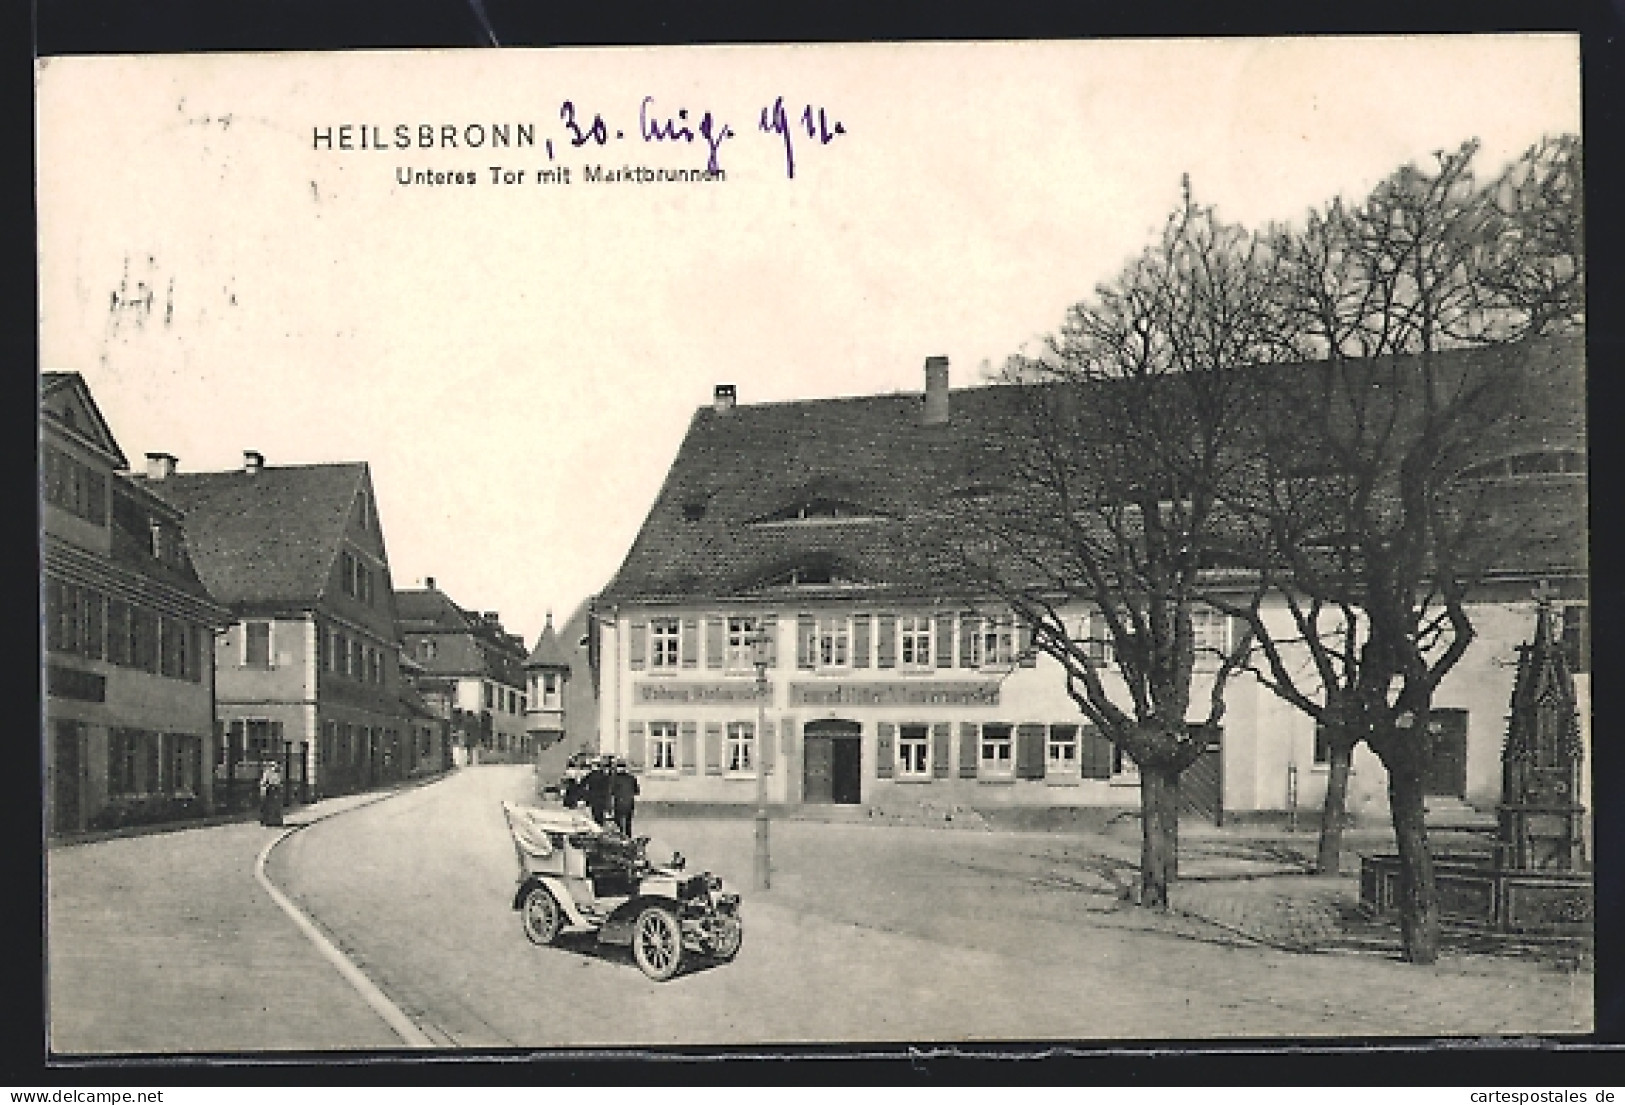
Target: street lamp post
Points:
(764, 863)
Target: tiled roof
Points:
(429, 609)
(549, 650)
(265, 537)
(713, 530)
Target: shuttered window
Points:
(1062, 755)
(885, 750)
(914, 751)
(767, 748)
(688, 750)
(945, 640)
(637, 644)
(716, 635)
(806, 633)
(940, 736)
(998, 750)
(1095, 754)
(690, 643)
(1030, 749)
(861, 640)
(914, 641)
(636, 740)
(968, 757)
(1025, 654)
(713, 748)
(886, 642)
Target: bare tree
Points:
(1101, 494)
(1374, 538)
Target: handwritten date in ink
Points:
(815, 121)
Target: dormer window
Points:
(819, 509)
(1541, 462)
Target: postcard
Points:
(654, 547)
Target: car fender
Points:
(561, 894)
(618, 927)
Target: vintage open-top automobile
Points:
(577, 876)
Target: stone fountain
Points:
(1537, 881)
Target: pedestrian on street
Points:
(270, 794)
(623, 792)
(597, 785)
(574, 792)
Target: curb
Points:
(403, 1026)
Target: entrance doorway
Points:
(833, 768)
(1201, 787)
(67, 777)
(1446, 772)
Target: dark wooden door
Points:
(66, 783)
(1201, 787)
(846, 771)
(1447, 767)
(818, 781)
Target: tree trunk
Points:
(1159, 823)
(1418, 900)
(1329, 856)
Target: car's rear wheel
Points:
(727, 935)
(657, 943)
(541, 916)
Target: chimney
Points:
(492, 617)
(161, 465)
(936, 391)
(253, 461)
(428, 581)
(725, 398)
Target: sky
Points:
(518, 362)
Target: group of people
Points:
(607, 789)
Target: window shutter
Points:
(1094, 754)
(1029, 751)
(805, 630)
(969, 753)
(885, 750)
(149, 754)
(687, 752)
(944, 644)
(770, 626)
(860, 640)
(766, 749)
(941, 733)
(635, 742)
(969, 627)
(716, 637)
(887, 643)
(1025, 656)
(689, 643)
(713, 748)
(637, 644)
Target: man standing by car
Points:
(597, 784)
(623, 792)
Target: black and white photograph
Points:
(744, 546)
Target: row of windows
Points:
(143, 762)
(85, 622)
(992, 750)
(357, 579)
(75, 487)
(505, 699)
(908, 641)
(351, 657)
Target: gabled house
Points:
(129, 627)
(308, 671)
(812, 537)
(469, 659)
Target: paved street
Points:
(869, 934)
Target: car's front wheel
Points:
(726, 936)
(541, 916)
(657, 943)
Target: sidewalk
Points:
(166, 943)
